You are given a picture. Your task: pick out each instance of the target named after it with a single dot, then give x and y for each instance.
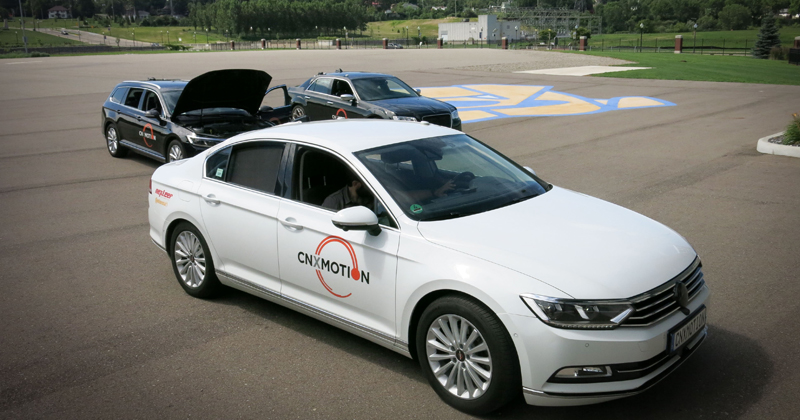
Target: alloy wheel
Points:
(175, 153)
(190, 259)
(459, 357)
(111, 139)
(298, 112)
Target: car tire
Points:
(476, 370)
(298, 112)
(192, 263)
(115, 149)
(175, 151)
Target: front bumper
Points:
(637, 356)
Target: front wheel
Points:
(298, 112)
(467, 355)
(192, 262)
(175, 151)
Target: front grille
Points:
(440, 119)
(657, 304)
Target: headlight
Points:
(397, 117)
(575, 314)
(454, 114)
(203, 141)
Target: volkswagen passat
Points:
(428, 242)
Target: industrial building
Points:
(487, 28)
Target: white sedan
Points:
(426, 241)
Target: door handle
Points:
(138, 118)
(329, 103)
(308, 97)
(289, 222)
(211, 199)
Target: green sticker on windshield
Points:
(416, 208)
(219, 172)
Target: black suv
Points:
(169, 120)
(367, 95)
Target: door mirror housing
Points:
(265, 109)
(153, 113)
(530, 170)
(349, 98)
(419, 91)
(357, 218)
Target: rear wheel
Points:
(467, 355)
(115, 149)
(192, 262)
(175, 151)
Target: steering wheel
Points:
(462, 182)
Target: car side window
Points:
(341, 87)
(324, 180)
(322, 85)
(150, 101)
(133, 97)
(255, 165)
(217, 164)
(119, 95)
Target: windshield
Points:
(171, 98)
(447, 177)
(379, 88)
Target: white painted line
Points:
(581, 71)
(25, 62)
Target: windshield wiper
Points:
(450, 215)
(517, 200)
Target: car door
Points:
(239, 208)
(127, 123)
(152, 131)
(316, 95)
(335, 107)
(276, 107)
(348, 274)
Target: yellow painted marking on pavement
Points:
(467, 116)
(447, 92)
(603, 101)
(573, 106)
(635, 102)
(515, 94)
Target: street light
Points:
(345, 37)
(406, 36)
(167, 37)
(134, 36)
(162, 36)
(194, 37)
(24, 38)
(641, 35)
(515, 35)
(694, 41)
(480, 37)
(206, 36)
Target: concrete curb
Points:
(764, 146)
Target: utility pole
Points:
(24, 38)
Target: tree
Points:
(734, 17)
(768, 37)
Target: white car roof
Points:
(348, 136)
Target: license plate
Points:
(686, 332)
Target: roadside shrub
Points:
(681, 27)
(39, 54)
(779, 53)
(792, 134)
(581, 31)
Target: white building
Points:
(58, 12)
(487, 28)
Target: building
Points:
(58, 12)
(487, 28)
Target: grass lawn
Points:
(736, 39)
(712, 68)
(160, 34)
(389, 28)
(8, 38)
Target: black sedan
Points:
(367, 95)
(169, 120)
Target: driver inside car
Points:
(351, 195)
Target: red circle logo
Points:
(354, 273)
(144, 134)
(342, 111)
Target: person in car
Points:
(351, 195)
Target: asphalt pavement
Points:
(96, 326)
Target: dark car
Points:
(169, 120)
(367, 95)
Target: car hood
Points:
(413, 106)
(240, 89)
(583, 246)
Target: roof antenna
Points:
(338, 71)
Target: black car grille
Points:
(655, 305)
(440, 119)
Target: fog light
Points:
(584, 372)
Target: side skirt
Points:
(143, 151)
(362, 331)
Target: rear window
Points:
(118, 95)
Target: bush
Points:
(779, 53)
(792, 134)
(39, 54)
(706, 23)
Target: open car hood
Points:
(240, 89)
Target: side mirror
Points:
(264, 109)
(357, 218)
(530, 170)
(349, 98)
(153, 113)
(419, 91)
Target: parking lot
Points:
(96, 326)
